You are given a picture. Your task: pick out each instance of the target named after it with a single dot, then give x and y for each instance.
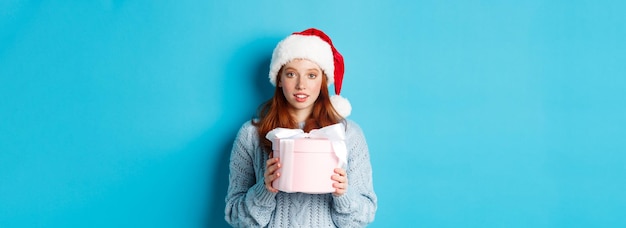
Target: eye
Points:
(290, 74)
(312, 76)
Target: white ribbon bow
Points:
(335, 133)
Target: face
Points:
(301, 82)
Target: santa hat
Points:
(313, 45)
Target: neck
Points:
(300, 114)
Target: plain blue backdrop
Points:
(477, 113)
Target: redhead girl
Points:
(303, 66)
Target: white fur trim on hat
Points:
(341, 105)
(297, 46)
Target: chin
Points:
(299, 106)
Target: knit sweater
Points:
(250, 204)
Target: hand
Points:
(341, 184)
(271, 167)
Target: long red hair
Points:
(275, 113)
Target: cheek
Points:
(319, 86)
(286, 90)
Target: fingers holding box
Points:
(271, 174)
(341, 184)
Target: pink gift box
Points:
(306, 165)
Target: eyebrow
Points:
(310, 69)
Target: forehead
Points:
(302, 64)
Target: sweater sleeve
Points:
(357, 207)
(248, 202)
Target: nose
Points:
(301, 83)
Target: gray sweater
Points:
(250, 204)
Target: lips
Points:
(300, 97)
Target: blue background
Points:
(477, 113)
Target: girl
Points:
(302, 66)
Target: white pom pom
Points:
(342, 105)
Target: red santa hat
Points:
(313, 45)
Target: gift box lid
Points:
(307, 145)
